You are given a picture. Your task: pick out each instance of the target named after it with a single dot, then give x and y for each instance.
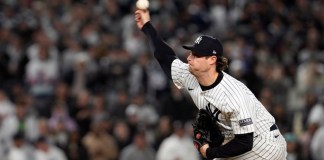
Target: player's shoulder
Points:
(181, 75)
(179, 62)
(231, 83)
(228, 78)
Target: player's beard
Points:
(197, 72)
(192, 71)
(189, 68)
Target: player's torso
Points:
(215, 99)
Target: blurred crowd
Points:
(78, 80)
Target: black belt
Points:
(273, 127)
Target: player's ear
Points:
(213, 59)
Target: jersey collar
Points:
(217, 81)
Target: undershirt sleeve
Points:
(240, 144)
(162, 51)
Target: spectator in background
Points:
(81, 111)
(20, 149)
(139, 149)
(99, 144)
(293, 148)
(122, 133)
(42, 74)
(278, 83)
(317, 144)
(308, 75)
(6, 106)
(59, 115)
(266, 98)
(282, 117)
(177, 105)
(8, 122)
(63, 95)
(316, 114)
(163, 130)
(43, 130)
(178, 145)
(117, 108)
(26, 120)
(75, 149)
(5, 35)
(146, 76)
(42, 69)
(47, 151)
(61, 125)
(118, 70)
(16, 60)
(99, 106)
(314, 122)
(139, 75)
(71, 53)
(79, 74)
(144, 112)
(310, 100)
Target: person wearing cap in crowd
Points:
(249, 130)
(20, 149)
(45, 150)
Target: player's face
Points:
(199, 64)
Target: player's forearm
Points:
(239, 145)
(162, 52)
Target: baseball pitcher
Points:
(231, 123)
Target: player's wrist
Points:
(203, 150)
(146, 26)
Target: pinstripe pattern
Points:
(237, 105)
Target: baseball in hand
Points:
(142, 4)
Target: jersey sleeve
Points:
(179, 72)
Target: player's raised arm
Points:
(162, 51)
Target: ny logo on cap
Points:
(197, 41)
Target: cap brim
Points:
(193, 49)
(188, 47)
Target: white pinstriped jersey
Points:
(238, 110)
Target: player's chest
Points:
(217, 104)
(203, 98)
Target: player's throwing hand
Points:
(141, 17)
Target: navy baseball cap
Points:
(206, 46)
